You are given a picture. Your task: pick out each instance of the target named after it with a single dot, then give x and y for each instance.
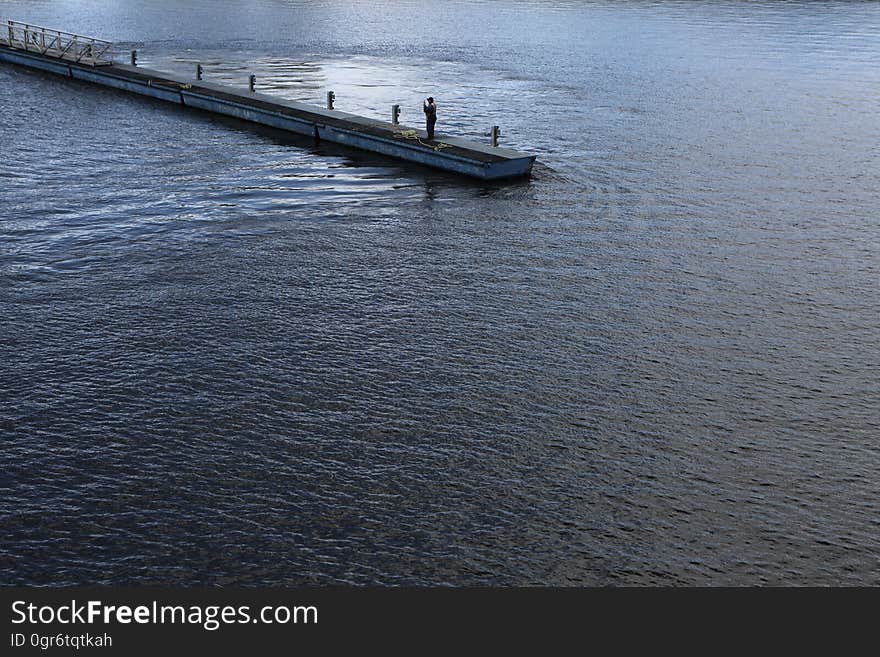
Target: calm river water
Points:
(228, 356)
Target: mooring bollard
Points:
(252, 82)
(134, 57)
(330, 98)
(395, 114)
(198, 71)
(496, 133)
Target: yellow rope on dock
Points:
(412, 134)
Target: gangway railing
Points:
(63, 45)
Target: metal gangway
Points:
(63, 45)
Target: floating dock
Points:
(89, 60)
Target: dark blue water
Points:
(228, 356)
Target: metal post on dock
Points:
(395, 114)
(496, 133)
(134, 57)
(198, 71)
(330, 98)
(252, 82)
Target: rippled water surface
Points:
(230, 356)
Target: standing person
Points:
(430, 115)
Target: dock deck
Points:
(448, 153)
